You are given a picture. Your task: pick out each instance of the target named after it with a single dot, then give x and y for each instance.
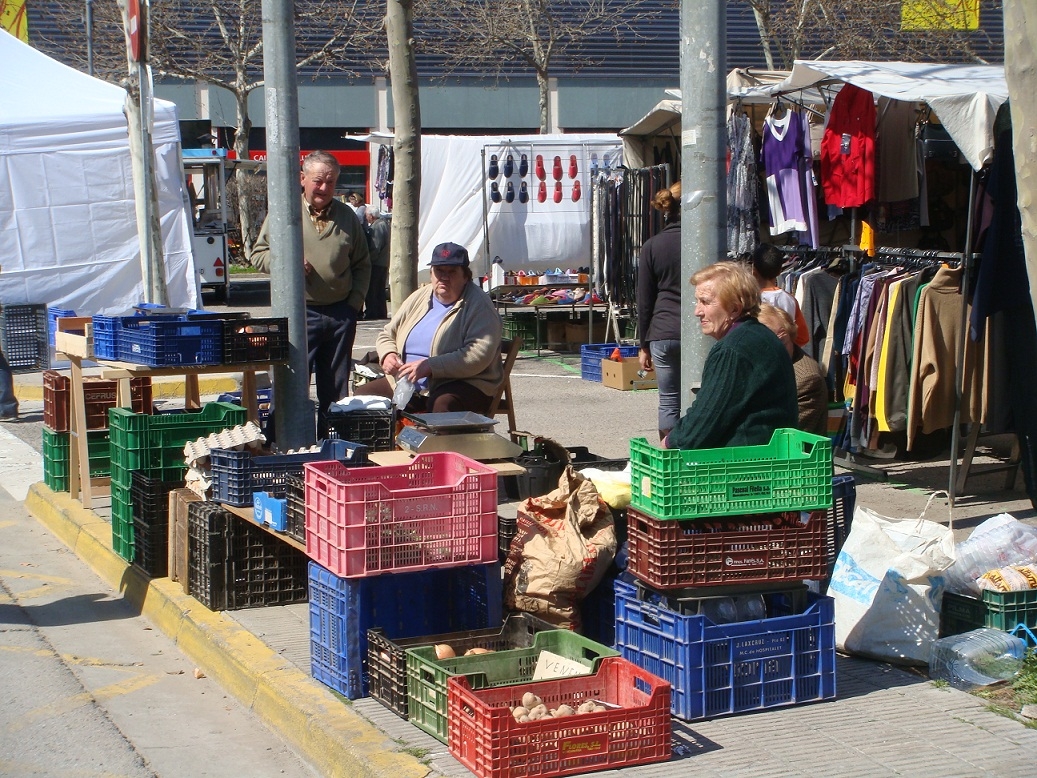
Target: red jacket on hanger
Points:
(848, 149)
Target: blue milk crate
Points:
(237, 475)
(53, 314)
(269, 510)
(264, 402)
(591, 355)
(721, 669)
(164, 341)
(106, 336)
(840, 516)
(403, 605)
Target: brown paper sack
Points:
(564, 543)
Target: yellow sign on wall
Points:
(939, 14)
(13, 18)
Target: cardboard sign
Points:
(554, 666)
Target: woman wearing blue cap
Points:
(445, 338)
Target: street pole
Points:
(294, 419)
(90, 37)
(703, 201)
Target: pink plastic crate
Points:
(439, 510)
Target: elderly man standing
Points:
(338, 269)
(378, 236)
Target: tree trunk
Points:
(545, 96)
(248, 232)
(764, 26)
(1020, 61)
(403, 74)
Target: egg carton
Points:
(238, 438)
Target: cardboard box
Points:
(625, 375)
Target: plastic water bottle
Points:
(977, 658)
(751, 607)
(719, 610)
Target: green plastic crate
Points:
(525, 326)
(791, 473)
(427, 676)
(143, 442)
(998, 610)
(57, 457)
(122, 522)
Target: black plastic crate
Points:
(506, 529)
(295, 494)
(257, 341)
(149, 498)
(23, 336)
(234, 564)
(207, 528)
(374, 428)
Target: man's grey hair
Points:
(318, 157)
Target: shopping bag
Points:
(887, 585)
(563, 545)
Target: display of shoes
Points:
(558, 191)
(523, 193)
(556, 169)
(509, 195)
(576, 191)
(523, 166)
(493, 170)
(572, 166)
(509, 166)
(495, 192)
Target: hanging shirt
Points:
(783, 156)
(848, 149)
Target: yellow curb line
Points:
(330, 736)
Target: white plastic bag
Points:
(403, 393)
(999, 541)
(888, 584)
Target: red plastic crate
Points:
(98, 396)
(636, 728)
(439, 510)
(673, 554)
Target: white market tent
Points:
(68, 229)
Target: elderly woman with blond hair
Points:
(748, 385)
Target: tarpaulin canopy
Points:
(68, 230)
(964, 97)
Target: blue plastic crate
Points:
(163, 341)
(53, 314)
(270, 510)
(106, 336)
(591, 355)
(403, 605)
(237, 475)
(721, 669)
(840, 515)
(264, 402)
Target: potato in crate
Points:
(620, 717)
(427, 674)
(387, 657)
(439, 510)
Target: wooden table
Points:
(248, 515)
(73, 342)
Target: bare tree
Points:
(220, 43)
(494, 37)
(849, 29)
(403, 72)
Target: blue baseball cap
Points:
(449, 254)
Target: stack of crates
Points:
(98, 396)
(410, 549)
(155, 446)
(591, 355)
(720, 545)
